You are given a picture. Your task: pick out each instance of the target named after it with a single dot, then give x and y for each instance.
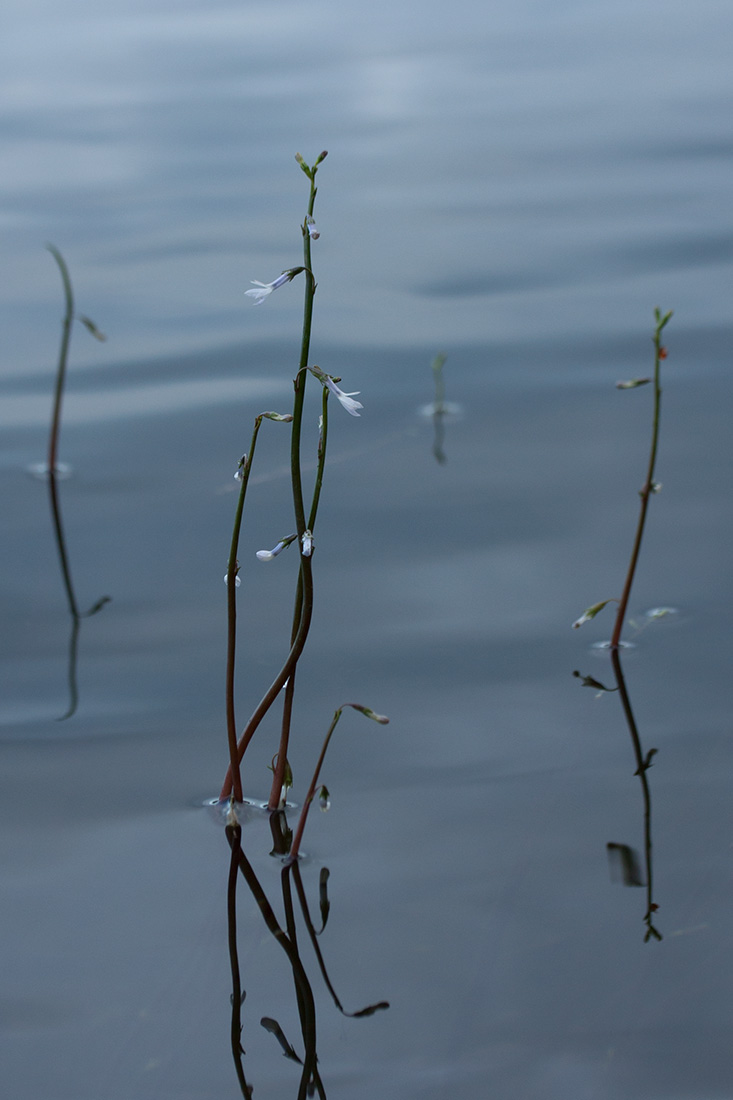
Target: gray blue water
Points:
(518, 188)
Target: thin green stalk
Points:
(322, 444)
(282, 755)
(232, 568)
(648, 487)
(301, 376)
(281, 760)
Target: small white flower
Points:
(307, 544)
(312, 231)
(346, 399)
(237, 581)
(268, 555)
(264, 290)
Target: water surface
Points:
(519, 189)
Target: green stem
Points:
(281, 760)
(305, 577)
(232, 568)
(648, 487)
(301, 376)
(281, 763)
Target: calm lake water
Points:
(517, 188)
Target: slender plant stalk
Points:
(232, 568)
(282, 755)
(305, 578)
(648, 488)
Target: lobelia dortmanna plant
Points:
(301, 539)
(623, 854)
(649, 487)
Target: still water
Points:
(518, 188)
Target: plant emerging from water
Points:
(623, 854)
(305, 509)
(649, 487)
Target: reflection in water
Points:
(56, 471)
(310, 1082)
(75, 614)
(622, 857)
(439, 410)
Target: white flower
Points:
(264, 290)
(346, 399)
(312, 231)
(268, 555)
(307, 544)
(237, 581)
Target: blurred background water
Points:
(517, 187)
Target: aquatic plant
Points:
(305, 510)
(649, 487)
(622, 855)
